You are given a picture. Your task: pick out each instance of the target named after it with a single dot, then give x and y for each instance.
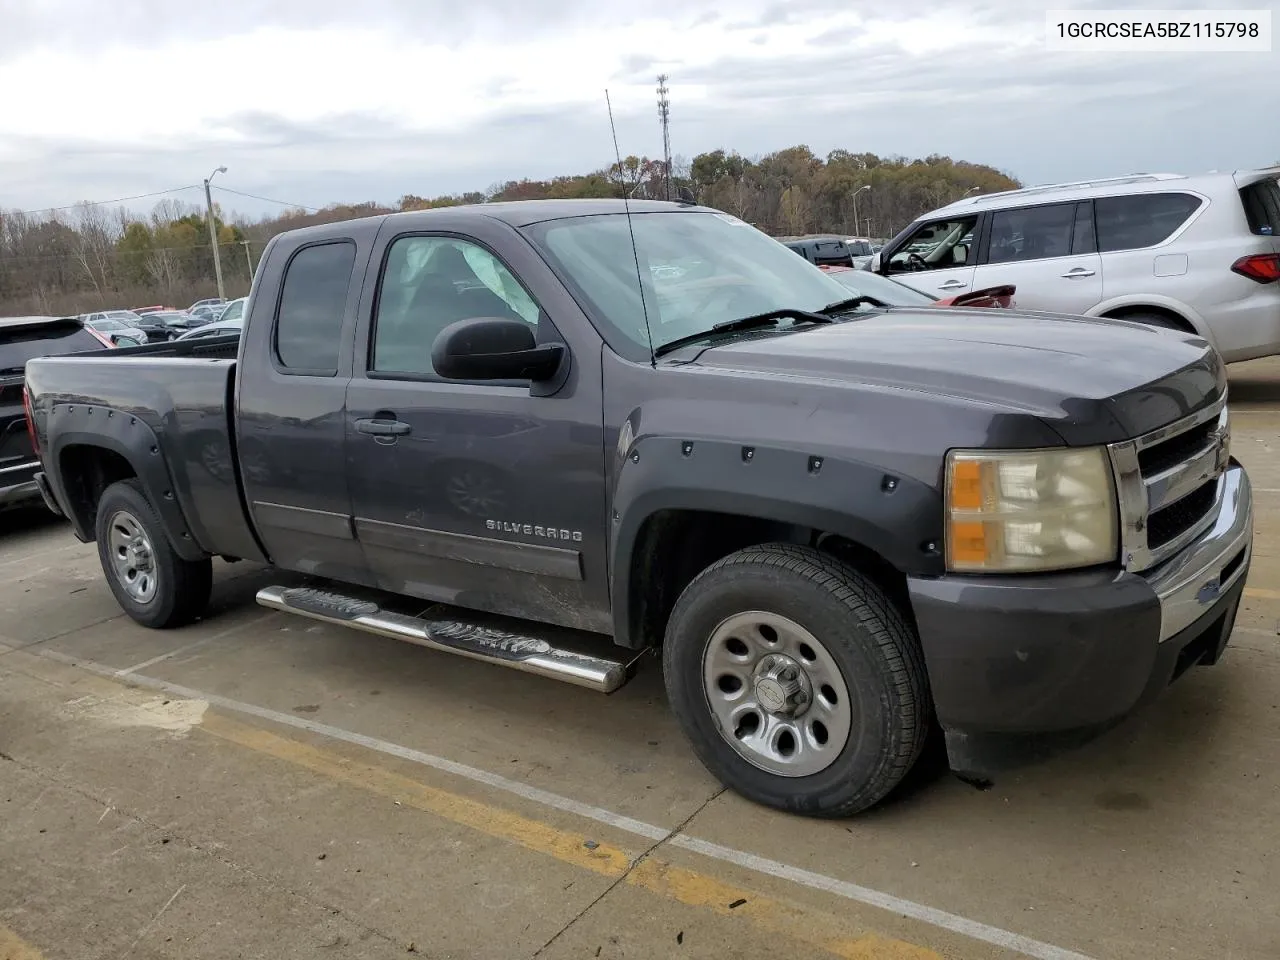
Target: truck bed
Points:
(185, 396)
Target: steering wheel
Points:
(916, 262)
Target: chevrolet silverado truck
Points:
(563, 436)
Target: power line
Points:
(100, 203)
(254, 196)
(115, 253)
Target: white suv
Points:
(1197, 253)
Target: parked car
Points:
(891, 293)
(826, 250)
(1200, 254)
(833, 521)
(207, 302)
(22, 338)
(163, 325)
(219, 328)
(233, 310)
(206, 313)
(120, 333)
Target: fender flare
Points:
(128, 436)
(896, 516)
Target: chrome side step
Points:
(477, 640)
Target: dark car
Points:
(603, 432)
(22, 338)
(162, 325)
(822, 250)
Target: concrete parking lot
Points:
(261, 786)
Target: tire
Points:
(1157, 320)
(854, 635)
(165, 590)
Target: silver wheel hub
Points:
(781, 686)
(776, 694)
(132, 556)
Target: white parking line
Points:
(127, 671)
(954, 923)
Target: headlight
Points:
(1029, 510)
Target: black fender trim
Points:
(87, 425)
(898, 517)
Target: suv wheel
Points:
(152, 584)
(796, 680)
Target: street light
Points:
(865, 186)
(213, 232)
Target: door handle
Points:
(1078, 272)
(378, 427)
(952, 285)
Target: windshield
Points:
(107, 325)
(699, 268)
(891, 292)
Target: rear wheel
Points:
(797, 681)
(1157, 320)
(152, 584)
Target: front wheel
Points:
(152, 584)
(797, 681)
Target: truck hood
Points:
(1093, 380)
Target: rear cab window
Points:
(313, 302)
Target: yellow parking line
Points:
(13, 947)
(814, 929)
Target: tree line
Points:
(93, 258)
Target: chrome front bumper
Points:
(1191, 582)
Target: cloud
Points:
(321, 100)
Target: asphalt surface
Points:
(261, 786)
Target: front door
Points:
(1049, 253)
(484, 495)
(936, 258)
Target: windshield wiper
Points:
(860, 300)
(744, 323)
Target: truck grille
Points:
(1169, 484)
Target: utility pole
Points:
(213, 231)
(248, 258)
(664, 115)
(865, 186)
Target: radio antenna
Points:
(635, 252)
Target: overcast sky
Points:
(313, 101)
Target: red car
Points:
(895, 294)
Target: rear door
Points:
(936, 257)
(1049, 252)
(290, 391)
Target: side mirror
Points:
(874, 265)
(493, 348)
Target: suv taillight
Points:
(31, 422)
(1263, 267)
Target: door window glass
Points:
(313, 303)
(1141, 219)
(939, 245)
(431, 282)
(1031, 233)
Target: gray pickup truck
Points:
(583, 432)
